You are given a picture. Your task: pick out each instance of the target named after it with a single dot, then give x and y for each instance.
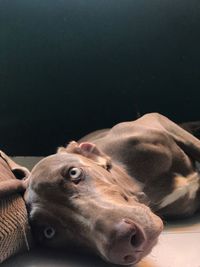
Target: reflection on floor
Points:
(178, 246)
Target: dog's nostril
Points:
(135, 240)
(128, 242)
(136, 236)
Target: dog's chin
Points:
(131, 259)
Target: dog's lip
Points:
(139, 250)
(133, 259)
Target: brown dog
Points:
(94, 192)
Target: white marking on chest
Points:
(183, 187)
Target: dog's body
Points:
(161, 156)
(94, 191)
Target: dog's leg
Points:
(184, 188)
(188, 143)
(192, 127)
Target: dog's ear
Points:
(88, 150)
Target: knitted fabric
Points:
(14, 227)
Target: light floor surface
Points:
(178, 246)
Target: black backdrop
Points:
(71, 66)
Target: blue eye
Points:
(49, 232)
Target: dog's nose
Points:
(127, 242)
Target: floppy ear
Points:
(88, 150)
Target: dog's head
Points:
(79, 196)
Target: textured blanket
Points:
(14, 228)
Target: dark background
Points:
(68, 67)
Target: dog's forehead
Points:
(57, 161)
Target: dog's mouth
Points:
(130, 256)
(128, 243)
(127, 240)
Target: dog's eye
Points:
(49, 232)
(75, 174)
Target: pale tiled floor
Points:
(178, 246)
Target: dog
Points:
(110, 190)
